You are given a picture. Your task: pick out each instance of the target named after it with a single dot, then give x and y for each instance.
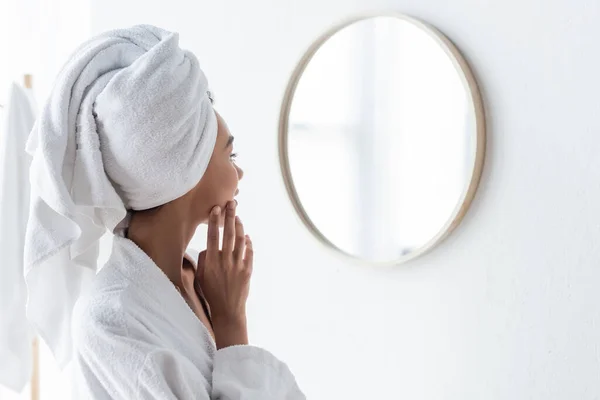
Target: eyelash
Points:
(233, 156)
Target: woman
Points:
(128, 141)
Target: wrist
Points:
(230, 331)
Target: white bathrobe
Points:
(135, 337)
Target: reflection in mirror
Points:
(382, 138)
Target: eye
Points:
(233, 156)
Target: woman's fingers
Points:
(229, 230)
(249, 258)
(201, 266)
(212, 245)
(240, 241)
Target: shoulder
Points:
(105, 336)
(106, 307)
(98, 313)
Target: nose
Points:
(240, 172)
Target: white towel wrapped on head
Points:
(128, 125)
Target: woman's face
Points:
(219, 185)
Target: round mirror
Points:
(382, 138)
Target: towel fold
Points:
(128, 125)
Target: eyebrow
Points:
(229, 141)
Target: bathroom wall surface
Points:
(505, 308)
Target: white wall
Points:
(36, 37)
(507, 308)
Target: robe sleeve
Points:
(239, 373)
(251, 373)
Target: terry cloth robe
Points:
(135, 337)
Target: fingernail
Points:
(216, 211)
(231, 205)
(237, 219)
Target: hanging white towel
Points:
(15, 332)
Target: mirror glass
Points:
(381, 138)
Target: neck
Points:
(164, 235)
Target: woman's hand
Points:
(224, 277)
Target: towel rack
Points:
(35, 373)
(35, 345)
(27, 81)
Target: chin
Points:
(223, 213)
